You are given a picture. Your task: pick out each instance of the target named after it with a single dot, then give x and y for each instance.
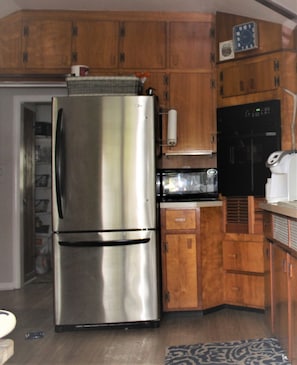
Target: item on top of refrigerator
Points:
(104, 85)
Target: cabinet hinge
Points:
(221, 76)
(276, 65)
(26, 31)
(122, 57)
(212, 83)
(212, 33)
(165, 80)
(25, 57)
(74, 57)
(165, 247)
(74, 31)
(167, 296)
(222, 91)
(122, 31)
(212, 58)
(276, 81)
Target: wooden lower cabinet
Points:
(191, 258)
(181, 271)
(244, 290)
(280, 296)
(284, 277)
(281, 281)
(243, 264)
(293, 309)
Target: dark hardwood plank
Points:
(33, 305)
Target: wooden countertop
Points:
(191, 204)
(288, 209)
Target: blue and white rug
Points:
(261, 351)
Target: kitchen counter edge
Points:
(280, 208)
(192, 204)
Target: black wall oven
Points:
(247, 135)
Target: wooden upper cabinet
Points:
(191, 45)
(143, 44)
(192, 95)
(95, 43)
(10, 43)
(47, 43)
(255, 75)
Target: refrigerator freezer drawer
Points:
(97, 285)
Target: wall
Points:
(11, 99)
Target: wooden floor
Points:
(32, 306)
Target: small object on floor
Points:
(34, 335)
(7, 322)
(6, 350)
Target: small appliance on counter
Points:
(187, 184)
(282, 185)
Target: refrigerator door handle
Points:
(58, 162)
(104, 243)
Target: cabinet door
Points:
(280, 300)
(293, 312)
(211, 256)
(181, 290)
(190, 45)
(143, 44)
(269, 315)
(95, 43)
(47, 43)
(244, 290)
(248, 77)
(243, 256)
(192, 95)
(10, 43)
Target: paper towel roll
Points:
(172, 127)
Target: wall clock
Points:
(245, 36)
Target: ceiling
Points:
(248, 8)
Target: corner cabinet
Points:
(191, 258)
(244, 270)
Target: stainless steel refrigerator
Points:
(105, 237)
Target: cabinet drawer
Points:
(180, 219)
(243, 256)
(244, 290)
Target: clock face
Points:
(245, 36)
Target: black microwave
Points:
(187, 184)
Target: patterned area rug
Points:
(261, 351)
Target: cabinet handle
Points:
(284, 265)
(290, 271)
(181, 219)
(241, 85)
(233, 256)
(235, 288)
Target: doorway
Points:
(36, 189)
